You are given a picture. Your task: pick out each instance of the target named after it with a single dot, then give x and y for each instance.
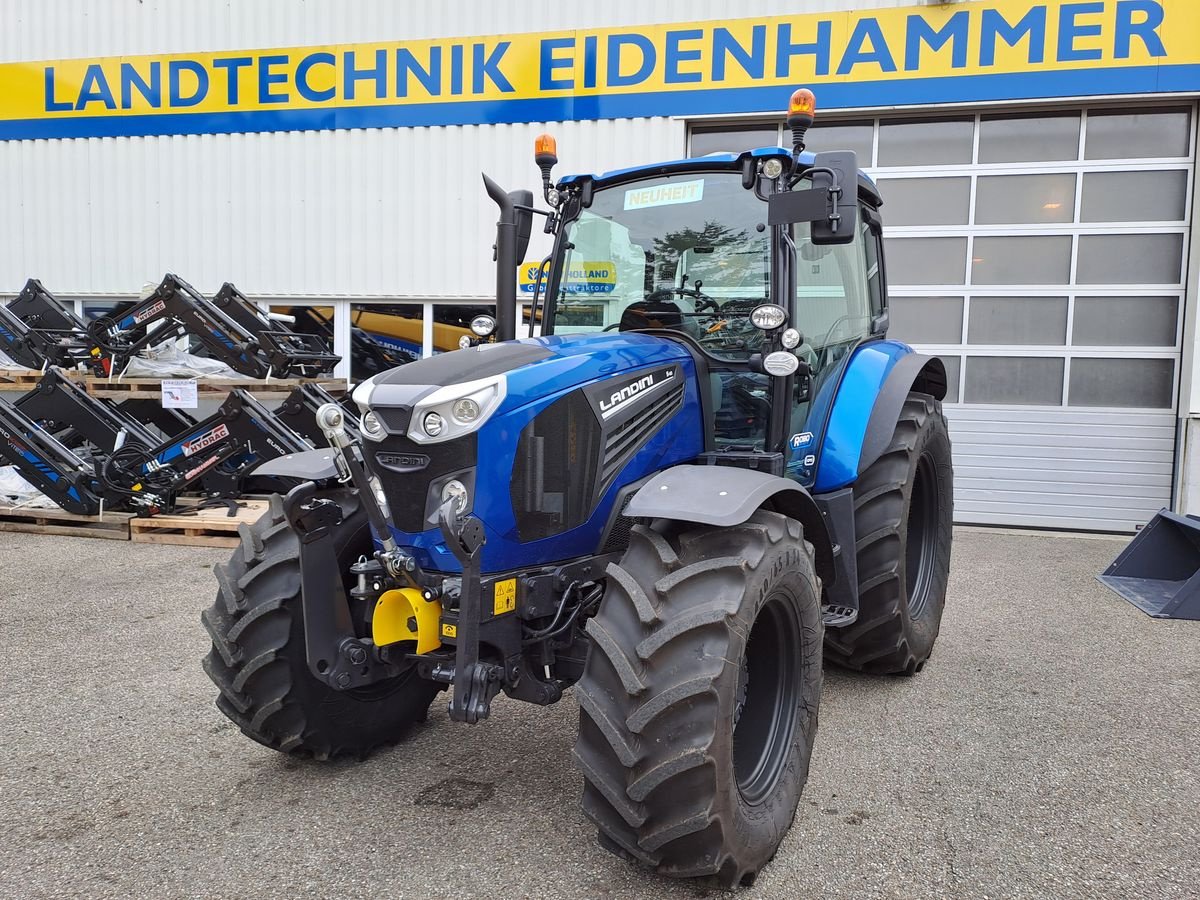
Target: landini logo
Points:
(643, 385)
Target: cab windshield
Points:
(690, 252)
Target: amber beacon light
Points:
(545, 154)
(802, 112)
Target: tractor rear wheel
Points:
(258, 656)
(903, 517)
(698, 702)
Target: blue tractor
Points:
(709, 473)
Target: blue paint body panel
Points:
(838, 421)
(577, 360)
(843, 408)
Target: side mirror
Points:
(522, 203)
(832, 169)
(831, 205)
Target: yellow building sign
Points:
(979, 51)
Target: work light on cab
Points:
(768, 316)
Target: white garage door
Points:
(1042, 255)
(1045, 256)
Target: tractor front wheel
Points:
(903, 518)
(258, 658)
(698, 702)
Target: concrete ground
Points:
(1051, 748)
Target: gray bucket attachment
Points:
(1159, 572)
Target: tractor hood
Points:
(534, 368)
(543, 436)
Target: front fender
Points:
(878, 378)
(726, 496)
(309, 465)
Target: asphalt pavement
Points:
(1050, 748)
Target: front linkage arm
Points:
(475, 682)
(335, 654)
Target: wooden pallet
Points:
(112, 526)
(208, 388)
(207, 528)
(26, 379)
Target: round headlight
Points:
(465, 410)
(772, 168)
(372, 427)
(553, 197)
(456, 492)
(791, 338)
(483, 325)
(433, 424)
(768, 316)
(464, 342)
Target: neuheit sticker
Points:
(665, 194)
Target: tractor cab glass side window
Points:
(871, 241)
(742, 406)
(835, 298)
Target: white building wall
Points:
(363, 213)
(368, 213)
(62, 29)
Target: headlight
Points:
(772, 168)
(433, 424)
(371, 426)
(483, 325)
(791, 338)
(456, 492)
(456, 409)
(464, 342)
(768, 317)
(465, 410)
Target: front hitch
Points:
(335, 654)
(475, 683)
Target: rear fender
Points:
(878, 378)
(725, 496)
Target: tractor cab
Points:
(714, 252)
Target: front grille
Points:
(630, 436)
(406, 469)
(618, 535)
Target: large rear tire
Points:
(903, 519)
(258, 657)
(698, 702)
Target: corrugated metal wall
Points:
(388, 212)
(48, 29)
(372, 213)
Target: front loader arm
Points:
(288, 352)
(241, 427)
(183, 310)
(46, 464)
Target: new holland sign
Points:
(978, 51)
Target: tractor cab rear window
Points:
(692, 252)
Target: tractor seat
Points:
(652, 314)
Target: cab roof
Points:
(713, 162)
